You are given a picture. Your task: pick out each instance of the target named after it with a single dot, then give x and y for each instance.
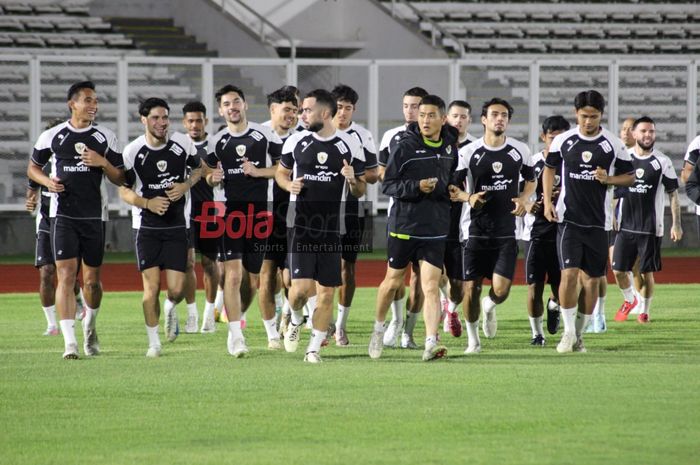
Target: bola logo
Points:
(586, 156)
(240, 150)
(162, 165)
(640, 173)
(322, 157)
(497, 166)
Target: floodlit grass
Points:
(632, 399)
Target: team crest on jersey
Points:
(162, 165)
(322, 157)
(640, 173)
(586, 156)
(497, 166)
(240, 150)
(80, 148)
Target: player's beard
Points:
(499, 132)
(315, 127)
(646, 148)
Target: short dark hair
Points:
(643, 119)
(497, 101)
(194, 106)
(460, 103)
(149, 104)
(228, 88)
(283, 94)
(78, 86)
(555, 123)
(343, 93)
(590, 98)
(434, 100)
(325, 98)
(415, 92)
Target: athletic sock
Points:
(646, 304)
(219, 300)
(600, 307)
(91, 315)
(342, 317)
(452, 306)
(582, 321)
(208, 311)
(411, 319)
(286, 308)
(488, 304)
(234, 327)
(472, 331)
(297, 317)
(271, 329)
(68, 330)
(397, 311)
(50, 314)
(279, 300)
(536, 325)
(568, 316)
(311, 306)
(430, 341)
(168, 306)
(192, 309)
(153, 338)
(379, 326)
(628, 294)
(315, 341)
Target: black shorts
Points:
(76, 238)
(315, 257)
(453, 260)
(629, 246)
(351, 240)
(540, 261)
(401, 252)
(276, 247)
(207, 246)
(482, 258)
(244, 239)
(43, 254)
(612, 234)
(583, 248)
(164, 248)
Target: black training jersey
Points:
(456, 207)
(152, 170)
(258, 144)
(279, 195)
(584, 201)
(642, 208)
(322, 200)
(536, 226)
(364, 137)
(85, 194)
(389, 140)
(496, 171)
(200, 192)
(691, 156)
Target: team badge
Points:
(448, 149)
(162, 165)
(497, 166)
(322, 157)
(80, 148)
(240, 150)
(639, 172)
(586, 156)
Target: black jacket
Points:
(692, 187)
(414, 213)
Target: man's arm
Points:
(547, 186)
(685, 172)
(157, 205)
(676, 229)
(521, 202)
(95, 160)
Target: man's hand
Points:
(216, 175)
(676, 233)
(55, 185)
(550, 212)
(601, 175)
(31, 200)
(250, 169)
(428, 185)
(93, 159)
(296, 186)
(534, 207)
(520, 206)
(478, 200)
(177, 190)
(457, 194)
(349, 172)
(158, 205)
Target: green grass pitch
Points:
(632, 399)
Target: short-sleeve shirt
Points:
(389, 140)
(320, 204)
(583, 200)
(85, 194)
(153, 170)
(496, 171)
(456, 207)
(536, 226)
(201, 192)
(366, 140)
(691, 157)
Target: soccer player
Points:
(315, 167)
(194, 120)
(283, 112)
(592, 161)
(158, 168)
(410, 103)
(346, 98)
(540, 238)
(492, 166)
(246, 153)
(459, 117)
(641, 225)
(82, 153)
(690, 161)
(417, 177)
(692, 185)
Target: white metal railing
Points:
(451, 69)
